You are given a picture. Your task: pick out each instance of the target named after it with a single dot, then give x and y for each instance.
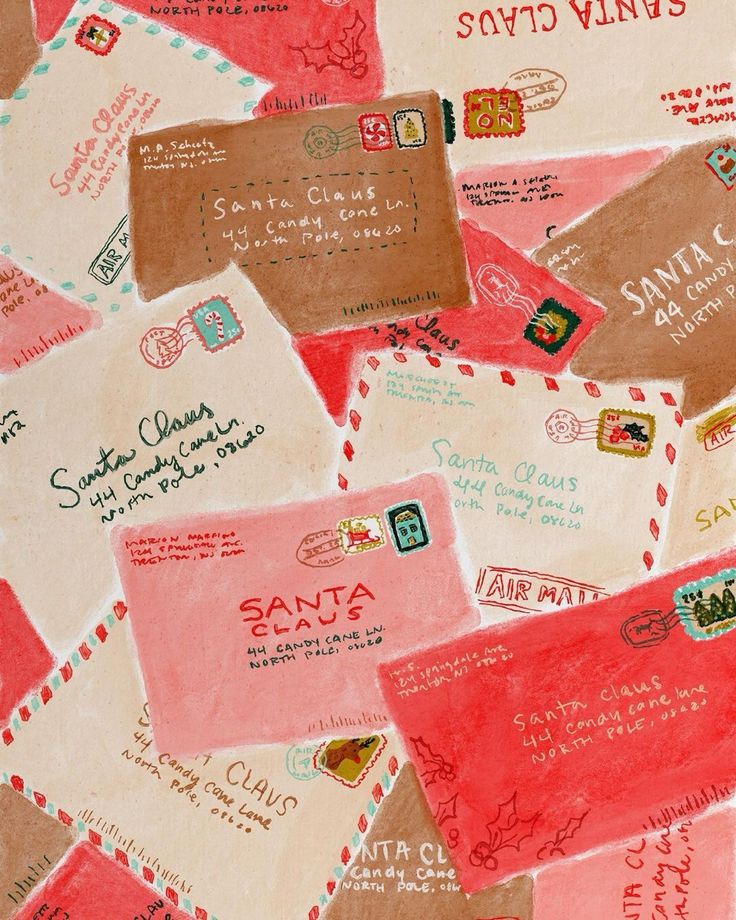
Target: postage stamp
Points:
(552, 326)
(360, 534)
(410, 128)
(216, 323)
(320, 549)
(375, 132)
(707, 607)
(722, 163)
(97, 35)
(625, 432)
(717, 429)
(407, 525)
(538, 87)
(110, 260)
(348, 760)
(300, 762)
(493, 113)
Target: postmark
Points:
(718, 429)
(493, 113)
(348, 760)
(707, 607)
(650, 627)
(360, 534)
(625, 432)
(300, 762)
(722, 163)
(538, 87)
(161, 346)
(407, 526)
(97, 35)
(552, 326)
(216, 323)
(375, 132)
(321, 142)
(112, 258)
(410, 128)
(562, 427)
(502, 289)
(320, 549)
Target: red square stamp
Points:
(375, 132)
(97, 35)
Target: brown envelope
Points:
(661, 258)
(340, 216)
(18, 44)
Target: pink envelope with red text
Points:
(553, 734)
(522, 317)
(266, 626)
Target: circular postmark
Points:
(562, 427)
(161, 346)
(321, 142)
(300, 761)
(538, 87)
(320, 549)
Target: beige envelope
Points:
(107, 75)
(255, 832)
(195, 403)
(703, 512)
(559, 485)
(580, 88)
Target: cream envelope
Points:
(195, 403)
(108, 74)
(560, 486)
(703, 512)
(576, 74)
(253, 832)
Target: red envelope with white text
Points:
(551, 735)
(265, 626)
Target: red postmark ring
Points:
(562, 427)
(161, 346)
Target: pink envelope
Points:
(91, 886)
(266, 626)
(498, 328)
(544, 737)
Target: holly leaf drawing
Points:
(446, 810)
(554, 847)
(344, 52)
(508, 830)
(666, 283)
(436, 767)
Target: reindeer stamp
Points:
(348, 760)
(707, 607)
(407, 525)
(360, 534)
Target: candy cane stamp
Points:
(213, 323)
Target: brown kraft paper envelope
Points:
(340, 216)
(661, 258)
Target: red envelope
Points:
(496, 329)
(24, 659)
(266, 626)
(549, 735)
(90, 886)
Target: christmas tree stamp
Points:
(410, 128)
(707, 607)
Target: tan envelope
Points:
(201, 422)
(560, 486)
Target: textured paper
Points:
(177, 818)
(20, 49)
(89, 885)
(549, 518)
(178, 434)
(634, 720)
(404, 870)
(334, 228)
(685, 867)
(31, 843)
(24, 658)
(87, 105)
(661, 257)
(607, 68)
(277, 626)
(508, 289)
